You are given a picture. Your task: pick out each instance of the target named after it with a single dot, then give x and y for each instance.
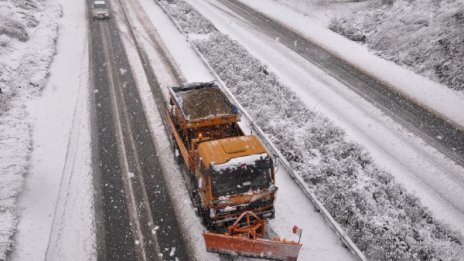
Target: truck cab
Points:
(234, 175)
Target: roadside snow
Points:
(448, 103)
(28, 31)
(44, 138)
(424, 36)
(322, 12)
(56, 208)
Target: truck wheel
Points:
(194, 194)
(194, 198)
(207, 223)
(204, 214)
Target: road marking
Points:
(120, 138)
(147, 209)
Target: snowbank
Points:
(55, 208)
(416, 87)
(28, 31)
(425, 36)
(378, 214)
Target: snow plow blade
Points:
(261, 248)
(245, 237)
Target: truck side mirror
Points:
(274, 189)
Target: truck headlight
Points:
(227, 209)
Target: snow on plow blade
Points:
(262, 248)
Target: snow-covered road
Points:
(57, 207)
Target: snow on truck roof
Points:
(231, 152)
(202, 100)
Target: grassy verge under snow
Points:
(426, 36)
(384, 220)
(28, 32)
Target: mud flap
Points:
(262, 248)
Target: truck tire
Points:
(196, 201)
(196, 204)
(206, 220)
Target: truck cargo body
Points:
(228, 172)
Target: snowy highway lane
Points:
(433, 177)
(135, 219)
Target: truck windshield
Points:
(242, 179)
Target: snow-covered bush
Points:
(16, 18)
(384, 220)
(187, 17)
(424, 35)
(28, 32)
(13, 29)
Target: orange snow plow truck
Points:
(230, 176)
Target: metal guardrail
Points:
(275, 151)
